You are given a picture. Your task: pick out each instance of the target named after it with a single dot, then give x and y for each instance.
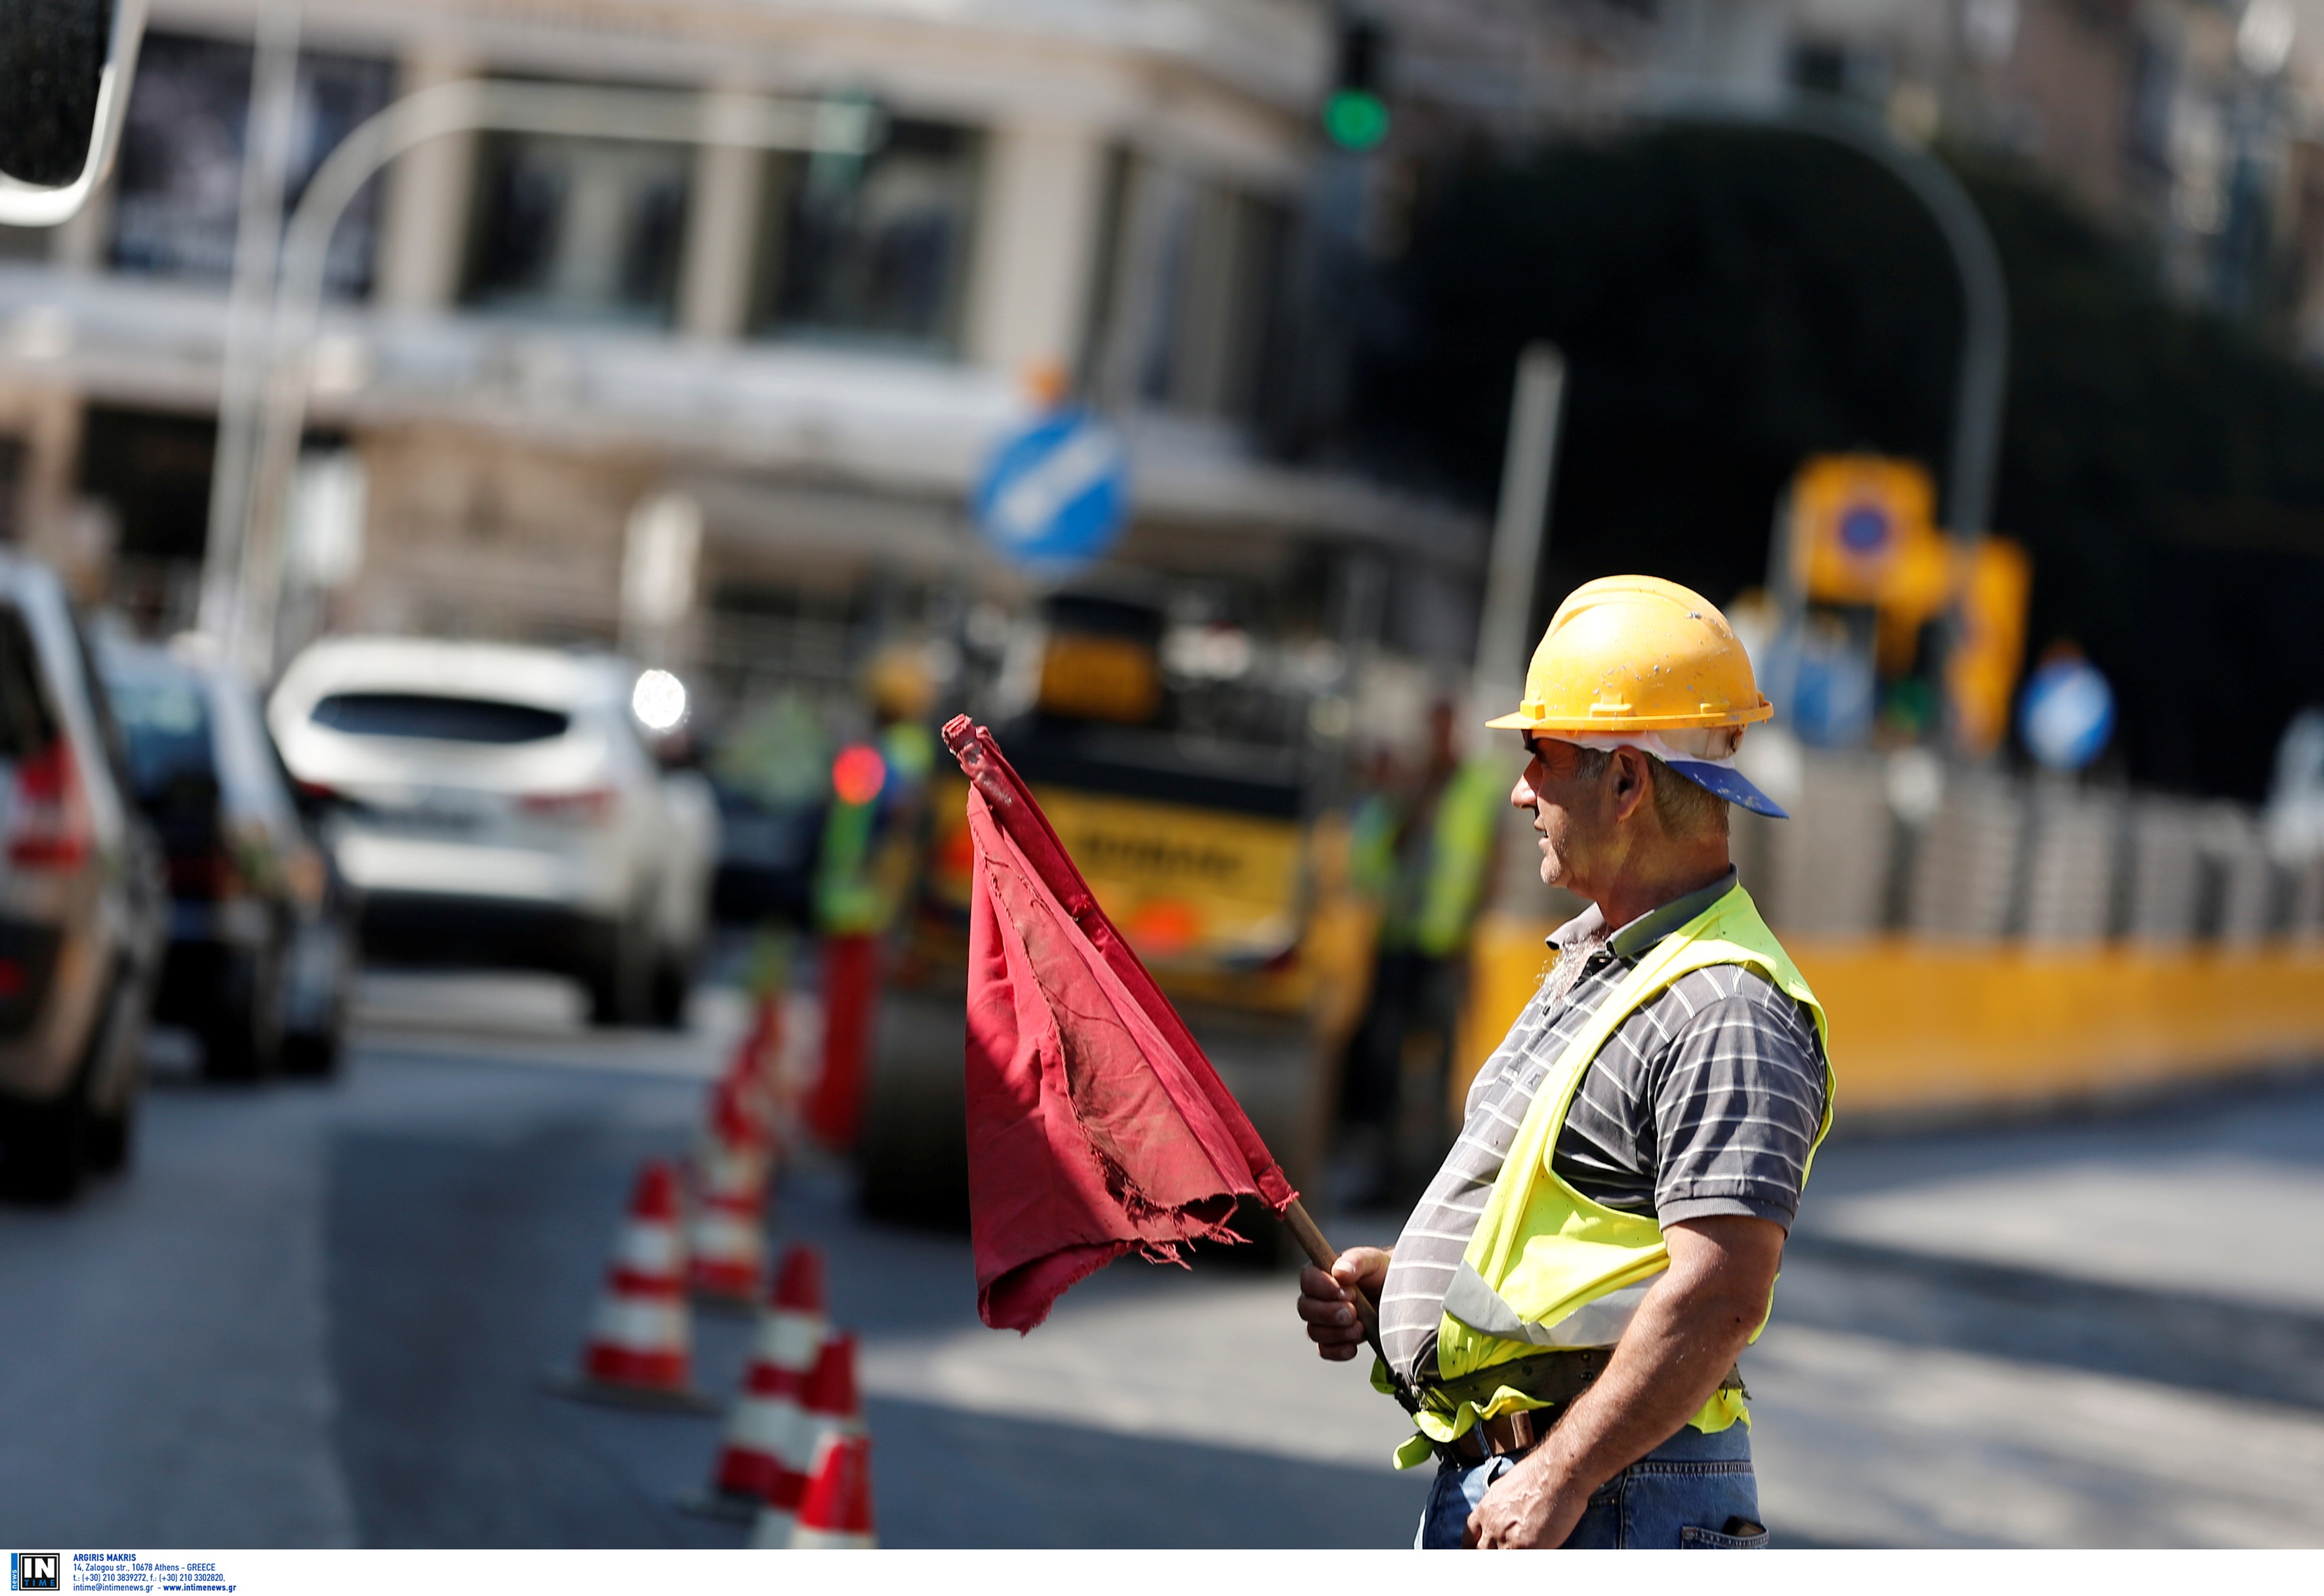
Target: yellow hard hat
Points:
(898, 682)
(1633, 654)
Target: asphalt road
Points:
(320, 1316)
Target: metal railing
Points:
(2038, 863)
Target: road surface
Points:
(320, 1316)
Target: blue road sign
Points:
(2066, 714)
(1866, 530)
(1055, 494)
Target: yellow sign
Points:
(1981, 670)
(1189, 888)
(1864, 532)
(1100, 679)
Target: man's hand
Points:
(1681, 1342)
(1527, 1507)
(1324, 1302)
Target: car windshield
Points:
(167, 722)
(438, 718)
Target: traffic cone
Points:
(741, 1108)
(837, 1515)
(765, 1038)
(766, 1430)
(640, 1350)
(729, 1252)
(829, 1408)
(798, 1058)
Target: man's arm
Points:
(1680, 1344)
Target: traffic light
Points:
(1355, 116)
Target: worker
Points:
(1430, 851)
(864, 873)
(1563, 1309)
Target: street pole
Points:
(1520, 529)
(257, 247)
(848, 127)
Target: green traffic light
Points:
(1355, 118)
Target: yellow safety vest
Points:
(1547, 1267)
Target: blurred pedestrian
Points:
(773, 773)
(1563, 1309)
(865, 872)
(1428, 852)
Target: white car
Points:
(495, 805)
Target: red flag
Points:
(1095, 1125)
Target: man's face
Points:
(1568, 813)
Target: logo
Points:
(35, 1571)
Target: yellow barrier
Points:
(1923, 1025)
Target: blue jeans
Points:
(1683, 1493)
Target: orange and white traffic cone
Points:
(837, 1516)
(767, 1429)
(829, 1408)
(640, 1350)
(728, 1255)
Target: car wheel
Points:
(106, 1132)
(312, 1046)
(620, 977)
(673, 982)
(242, 1037)
(111, 1139)
(913, 1160)
(313, 1054)
(44, 1145)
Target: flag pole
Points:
(1321, 1253)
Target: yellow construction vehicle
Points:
(1197, 798)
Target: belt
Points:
(1512, 1435)
(1553, 1379)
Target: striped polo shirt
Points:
(1705, 1101)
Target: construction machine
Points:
(1192, 768)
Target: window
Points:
(873, 250)
(154, 470)
(1189, 277)
(167, 722)
(151, 472)
(1217, 286)
(438, 718)
(579, 229)
(179, 174)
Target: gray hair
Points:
(1686, 809)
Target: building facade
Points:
(2195, 125)
(535, 346)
